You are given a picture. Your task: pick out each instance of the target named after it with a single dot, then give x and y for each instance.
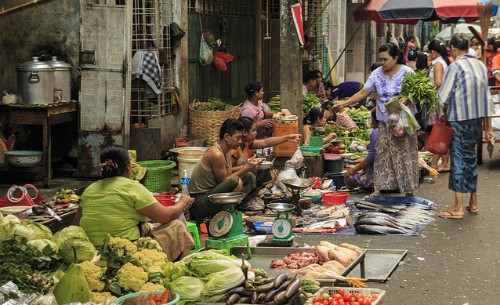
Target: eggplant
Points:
(265, 287)
(271, 293)
(255, 297)
(241, 291)
(280, 279)
(245, 300)
(233, 299)
(280, 298)
(292, 288)
(262, 297)
(264, 280)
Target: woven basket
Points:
(206, 124)
(158, 174)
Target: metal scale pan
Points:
(295, 186)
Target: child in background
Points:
(315, 118)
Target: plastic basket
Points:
(310, 151)
(364, 291)
(158, 174)
(165, 199)
(335, 198)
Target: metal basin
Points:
(24, 158)
(227, 198)
(298, 184)
(281, 207)
(177, 149)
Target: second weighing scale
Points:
(282, 226)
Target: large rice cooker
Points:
(62, 79)
(35, 81)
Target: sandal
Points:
(471, 210)
(443, 170)
(450, 215)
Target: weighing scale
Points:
(282, 226)
(226, 227)
(295, 186)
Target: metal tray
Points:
(262, 256)
(379, 264)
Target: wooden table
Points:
(42, 115)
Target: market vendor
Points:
(313, 82)
(117, 205)
(340, 118)
(316, 118)
(239, 156)
(254, 108)
(213, 173)
(361, 174)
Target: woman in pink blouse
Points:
(253, 108)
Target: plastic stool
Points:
(196, 235)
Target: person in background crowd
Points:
(422, 62)
(343, 90)
(396, 162)
(475, 48)
(490, 52)
(410, 45)
(116, 205)
(213, 173)
(412, 57)
(316, 118)
(361, 174)
(439, 64)
(466, 99)
(341, 119)
(253, 108)
(313, 82)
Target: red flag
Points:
(297, 20)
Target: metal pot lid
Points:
(35, 65)
(59, 64)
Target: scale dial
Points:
(282, 228)
(221, 224)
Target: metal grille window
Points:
(318, 24)
(221, 7)
(151, 21)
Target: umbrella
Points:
(410, 11)
(461, 28)
(369, 11)
(429, 10)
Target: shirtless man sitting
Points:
(213, 173)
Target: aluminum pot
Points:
(35, 81)
(62, 80)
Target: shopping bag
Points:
(440, 139)
(206, 53)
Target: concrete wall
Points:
(51, 27)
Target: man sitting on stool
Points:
(213, 173)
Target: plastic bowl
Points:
(314, 198)
(24, 158)
(173, 299)
(266, 165)
(165, 199)
(264, 227)
(335, 198)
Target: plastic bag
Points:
(286, 174)
(206, 53)
(296, 160)
(221, 59)
(408, 119)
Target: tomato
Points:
(341, 291)
(356, 295)
(317, 303)
(318, 299)
(337, 296)
(346, 297)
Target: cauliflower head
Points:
(131, 277)
(151, 260)
(121, 246)
(99, 297)
(93, 275)
(148, 243)
(152, 286)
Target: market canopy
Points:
(411, 11)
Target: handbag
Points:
(440, 139)
(176, 32)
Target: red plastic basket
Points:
(16, 196)
(165, 199)
(335, 198)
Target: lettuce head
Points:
(84, 250)
(69, 232)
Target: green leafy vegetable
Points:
(69, 232)
(310, 100)
(187, 287)
(46, 246)
(419, 90)
(220, 282)
(85, 250)
(214, 104)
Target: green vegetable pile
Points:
(275, 104)
(360, 135)
(419, 89)
(213, 104)
(310, 100)
(360, 116)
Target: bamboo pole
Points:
(20, 7)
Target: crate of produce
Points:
(376, 295)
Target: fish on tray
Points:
(377, 229)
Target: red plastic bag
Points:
(221, 59)
(440, 139)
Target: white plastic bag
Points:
(286, 174)
(206, 53)
(296, 160)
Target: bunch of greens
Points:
(275, 104)
(419, 90)
(214, 104)
(310, 100)
(360, 116)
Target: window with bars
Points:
(318, 31)
(221, 7)
(151, 20)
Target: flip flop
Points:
(450, 215)
(471, 210)
(443, 170)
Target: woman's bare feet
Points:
(375, 193)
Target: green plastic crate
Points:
(158, 175)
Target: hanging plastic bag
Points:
(221, 59)
(176, 32)
(440, 138)
(206, 53)
(408, 119)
